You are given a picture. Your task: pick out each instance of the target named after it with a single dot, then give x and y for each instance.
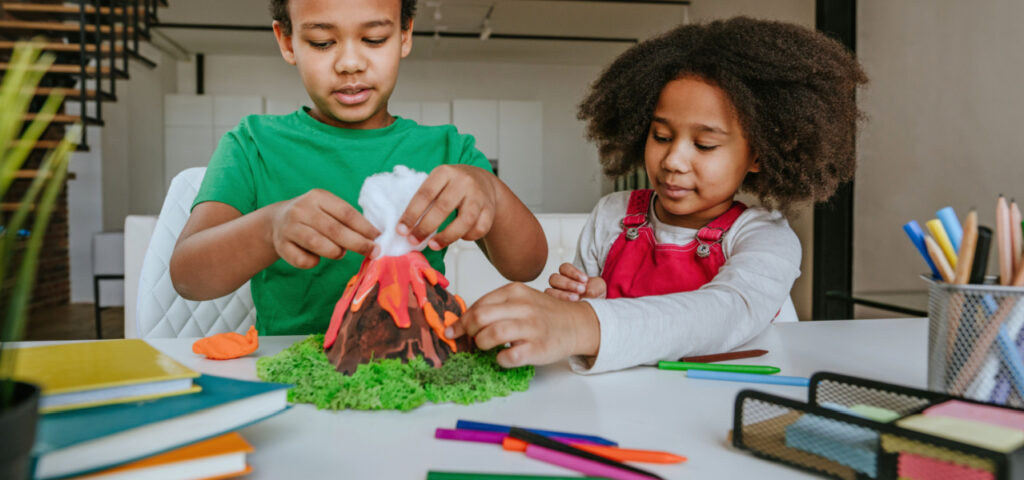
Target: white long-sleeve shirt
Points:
(762, 260)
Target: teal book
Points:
(80, 441)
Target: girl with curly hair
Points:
(683, 268)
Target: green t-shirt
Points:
(270, 158)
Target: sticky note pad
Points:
(846, 444)
(897, 444)
(918, 467)
(878, 414)
(992, 437)
(989, 414)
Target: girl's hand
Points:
(540, 328)
(572, 284)
(449, 187)
(319, 224)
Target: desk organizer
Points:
(848, 429)
(975, 339)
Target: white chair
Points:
(160, 311)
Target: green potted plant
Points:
(18, 258)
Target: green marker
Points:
(434, 475)
(718, 367)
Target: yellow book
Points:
(88, 374)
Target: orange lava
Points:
(396, 277)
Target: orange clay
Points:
(435, 323)
(395, 276)
(461, 302)
(228, 345)
(450, 318)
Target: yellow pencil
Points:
(967, 247)
(942, 239)
(1004, 239)
(939, 259)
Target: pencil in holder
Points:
(975, 340)
(852, 428)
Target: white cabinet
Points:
(521, 149)
(194, 124)
(478, 118)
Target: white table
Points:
(640, 408)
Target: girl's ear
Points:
(755, 166)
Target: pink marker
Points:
(581, 465)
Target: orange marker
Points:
(614, 453)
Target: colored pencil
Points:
(1004, 241)
(536, 440)
(917, 235)
(718, 367)
(721, 357)
(945, 271)
(494, 427)
(970, 241)
(749, 377)
(1015, 233)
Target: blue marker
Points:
(493, 427)
(916, 235)
(749, 377)
(952, 225)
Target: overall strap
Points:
(713, 232)
(639, 205)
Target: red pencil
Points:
(721, 357)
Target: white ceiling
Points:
(519, 17)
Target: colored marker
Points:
(584, 466)
(721, 357)
(749, 377)
(436, 475)
(981, 255)
(482, 436)
(614, 453)
(546, 443)
(951, 224)
(916, 235)
(942, 238)
(493, 427)
(718, 367)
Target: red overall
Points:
(637, 266)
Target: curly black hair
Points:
(279, 12)
(794, 90)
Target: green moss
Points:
(387, 384)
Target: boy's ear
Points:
(407, 40)
(755, 166)
(284, 42)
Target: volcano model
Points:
(408, 318)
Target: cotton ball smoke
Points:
(384, 198)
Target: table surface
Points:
(640, 407)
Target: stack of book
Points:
(122, 409)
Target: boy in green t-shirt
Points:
(278, 202)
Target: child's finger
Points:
(518, 355)
(554, 292)
(348, 216)
(343, 236)
(507, 329)
(570, 270)
(296, 256)
(315, 242)
(454, 331)
(422, 201)
(445, 203)
(596, 288)
(566, 284)
(462, 224)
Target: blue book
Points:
(80, 441)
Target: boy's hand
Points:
(319, 224)
(572, 284)
(540, 328)
(466, 188)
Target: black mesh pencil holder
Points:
(819, 437)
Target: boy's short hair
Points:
(794, 91)
(279, 11)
